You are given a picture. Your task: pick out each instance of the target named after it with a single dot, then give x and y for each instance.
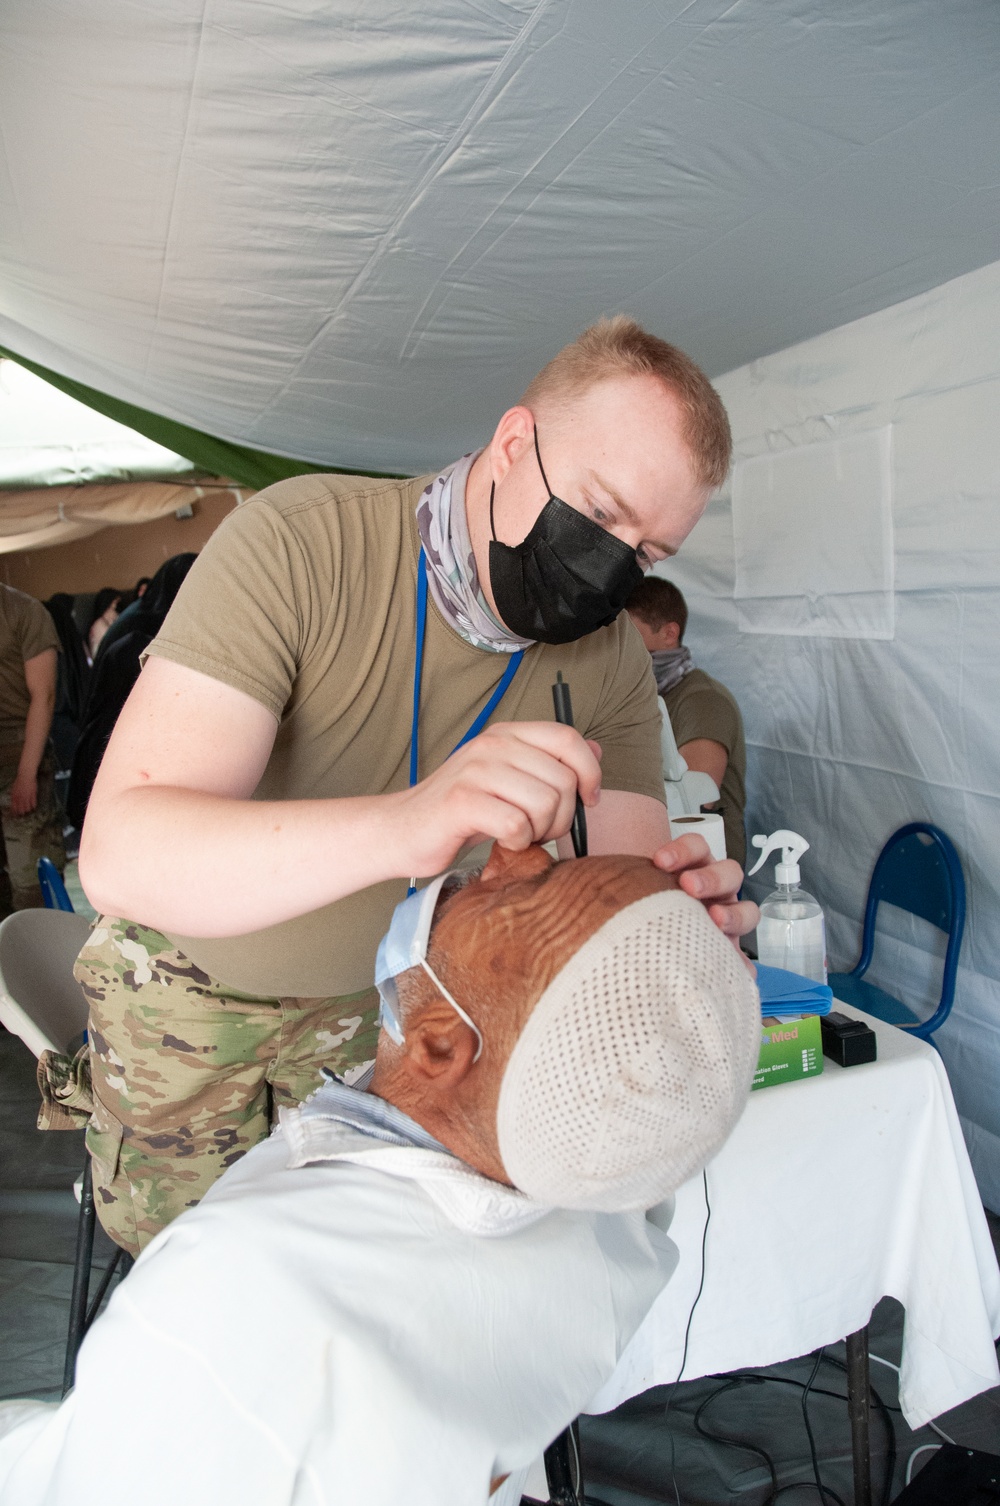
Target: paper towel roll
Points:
(708, 825)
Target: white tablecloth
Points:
(831, 1193)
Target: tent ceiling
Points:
(350, 231)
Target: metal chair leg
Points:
(81, 1275)
(563, 1471)
(121, 1262)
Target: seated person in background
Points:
(105, 613)
(708, 727)
(417, 1282)
(115, 670)
(32, 821)
(71, 680)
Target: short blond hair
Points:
(621, 347)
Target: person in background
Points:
(32, 823)
(131, 602)
(105, 611)
(115, 670)
(72, 681)
(706, 719)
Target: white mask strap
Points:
(456, 1007)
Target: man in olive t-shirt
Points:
(32, 824)
(264, 801)
(704, 715)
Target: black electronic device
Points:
(847, 1041)
(955, 1477)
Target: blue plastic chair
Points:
(917, 870)
(52, 887)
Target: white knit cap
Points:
(635, 1064)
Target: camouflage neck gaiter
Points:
(451, 564)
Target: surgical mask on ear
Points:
(404, 946)
(566, 579)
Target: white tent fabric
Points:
(852, 734)
(350, 231)
(48, 515)
(49, 439)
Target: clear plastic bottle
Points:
(791, 932)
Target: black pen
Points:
(564, 714)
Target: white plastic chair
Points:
(41, 1002)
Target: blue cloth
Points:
(782, 992)
(363, 1111)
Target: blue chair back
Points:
(918, 870)
(53, 889)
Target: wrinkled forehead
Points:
(526, 905)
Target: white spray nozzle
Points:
(792, 847)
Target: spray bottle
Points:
(791, 932)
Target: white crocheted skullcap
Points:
(635, 1063)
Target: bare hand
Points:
(23, 794)
(715, 883)
(515, 782)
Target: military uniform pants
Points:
(189, 1075)
(28, 838)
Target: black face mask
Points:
(568, 577)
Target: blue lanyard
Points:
(488, 709)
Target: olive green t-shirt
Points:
(702, 707)
(26, 630)
(305, 598)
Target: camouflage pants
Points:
(188, 1075)
(28, 838)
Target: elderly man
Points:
(415, 1284)
(352, 687)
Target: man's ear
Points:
(511, 437)
(440, 1048)
(506, 867)
(670, 635)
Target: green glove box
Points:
(789, 1049)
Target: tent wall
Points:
(862, 641)
(115, 556)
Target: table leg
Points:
(857, 1411)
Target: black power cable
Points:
(808, 1388)
(687, 1332)
(824, 1490)
(751, 1448)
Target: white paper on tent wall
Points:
(812, 534)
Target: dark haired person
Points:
(115, 670)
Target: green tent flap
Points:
(251, 468)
